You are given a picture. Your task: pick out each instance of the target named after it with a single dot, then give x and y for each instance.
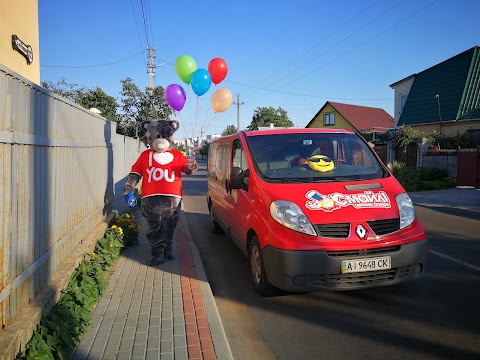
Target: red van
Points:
(313, 210)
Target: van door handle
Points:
(226, 186)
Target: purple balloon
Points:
(175, 96)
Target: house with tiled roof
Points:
(444, 98)
(354, 117)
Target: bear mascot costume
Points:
(161, 168)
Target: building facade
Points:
(19, 38)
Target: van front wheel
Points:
(257, 268)
(214, 227)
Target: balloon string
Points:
(195, 121)
(214, 117)
(205, 120)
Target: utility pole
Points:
(151, 69)
(238, 103)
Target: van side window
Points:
(218, 155)
(238, 156)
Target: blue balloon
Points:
(201, 81)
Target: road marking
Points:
(461, 262)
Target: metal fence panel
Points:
(440, 159)
(62, 170)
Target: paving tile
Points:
(123, 356)
(152, 354)
(126, 345)
(181, 354)
(110, 352)
(138, 350)
(166, 356)
(166, 346)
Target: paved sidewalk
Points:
(162, 312)
(462, 200)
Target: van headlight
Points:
(406, 210)
(291, 216)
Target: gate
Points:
(468, 173)
(381, 151)
(407, 155)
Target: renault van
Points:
(313, 210)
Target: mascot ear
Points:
(145, 124)
(175, 124)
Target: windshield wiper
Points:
(289, 181)
(342, 178)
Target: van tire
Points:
(214, 227)
(257, 270)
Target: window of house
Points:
(329, 119)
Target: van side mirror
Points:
(237, 178)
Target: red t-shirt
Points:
(161, 172)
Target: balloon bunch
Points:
(200, 81)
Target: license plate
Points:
(370, 264)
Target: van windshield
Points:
(314, 157)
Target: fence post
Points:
(390, 154)
(422, 147)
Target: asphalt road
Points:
(434, 317)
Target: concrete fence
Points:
(62, 170)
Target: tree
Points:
(204, 149)
(179, 147)
(229, 130)
(138, 106)
(100, 100)
(87, 98)
(69, 91)
(264, 116)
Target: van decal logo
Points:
(334, 201)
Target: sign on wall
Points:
(24, 49)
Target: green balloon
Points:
(185, 66)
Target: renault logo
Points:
(361, 232)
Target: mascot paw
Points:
(191, 167)
(127, 188)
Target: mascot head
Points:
(320, 163)
(159, 133)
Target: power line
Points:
(374, 37)
(136, 24)
(323, 40)
(330, 48)
(286, 92)
(296, 94)
(145, 23)
(90, 66)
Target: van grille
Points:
(339, 281)
(383, 227)
(340, 230)
(363, 252)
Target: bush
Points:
(421, 179)
(464, 141)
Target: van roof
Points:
(279, 131)
(297, 131)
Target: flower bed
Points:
(60, 331)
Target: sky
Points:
(296, 55)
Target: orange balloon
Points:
(221, 100)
